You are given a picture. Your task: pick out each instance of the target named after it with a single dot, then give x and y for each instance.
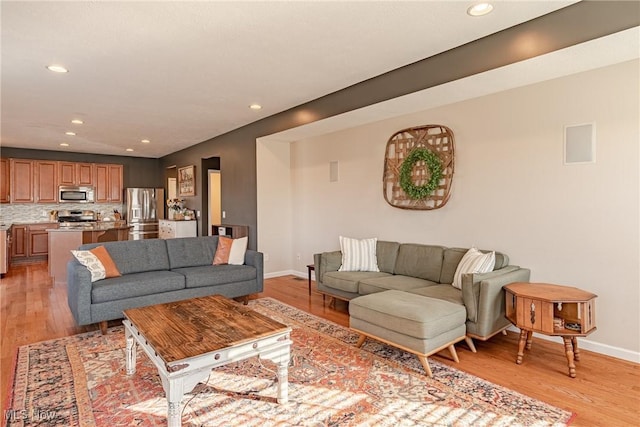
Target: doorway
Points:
(215, 199)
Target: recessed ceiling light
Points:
(480, 9)
(57, 69)
(70, 133)
(129, 149)
(77, 121)
(64, 144)
(255, 106)
(145, 141)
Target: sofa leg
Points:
(425, 365)
(469, 342)
(103, 327)
(244, 300)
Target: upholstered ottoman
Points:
(414, 323)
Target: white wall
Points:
(274, 203)
(571, 224)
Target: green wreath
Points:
(434, 164)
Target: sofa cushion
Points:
(452, 257)
(358, 254)
(450, 261)
(222, 251)
(444, 292)
(348, 280)
(387, 253)
(422, 261)
(136, 256)
(191, 251)
(398, 282)
(413, 315)
(98, 262)
(211, 275)
(136, 285)
(473, 262)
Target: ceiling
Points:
(178, 73)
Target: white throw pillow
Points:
(238, 249)
(473, 262)
(93, 264)
(358, 255)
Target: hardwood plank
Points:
(606, 391)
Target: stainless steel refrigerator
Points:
(145, 206)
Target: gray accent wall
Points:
(566, 27)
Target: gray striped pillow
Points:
(358, 255)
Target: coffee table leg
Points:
(130, 362)
(174, 390)
(281, 358)
(283, 380)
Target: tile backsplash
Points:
(38, 212)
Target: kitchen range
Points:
(77, 218)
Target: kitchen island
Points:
(65, 239)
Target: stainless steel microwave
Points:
(67, 194)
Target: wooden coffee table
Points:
(186, 339)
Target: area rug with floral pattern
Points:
(81, 381)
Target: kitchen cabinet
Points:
(46, 181)
(172, 229)
(19, 242)
(5, 180)
(73, 173)
(5, 245)
(30, 240)
(108, 183)
(22, 179)
(39, 239)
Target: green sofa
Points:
(426, 270)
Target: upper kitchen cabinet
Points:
(22, 179)
(72, 173)
(46, 181)
(5, 181)
(108, 182)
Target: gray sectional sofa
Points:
(426, 270)
(156, 271)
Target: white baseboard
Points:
(284, 273)
(596, 347)
(302, 274)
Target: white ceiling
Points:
(178, 73)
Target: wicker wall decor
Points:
(433, 151)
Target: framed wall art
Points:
(187, 181)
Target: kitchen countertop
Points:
(37, 221)
(103, 226)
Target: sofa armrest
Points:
(79, 292)
(482, 294)
(326, 261)
(256, 259)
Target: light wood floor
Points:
(606, 391)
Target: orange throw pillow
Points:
(222, 251)
(109, 266)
